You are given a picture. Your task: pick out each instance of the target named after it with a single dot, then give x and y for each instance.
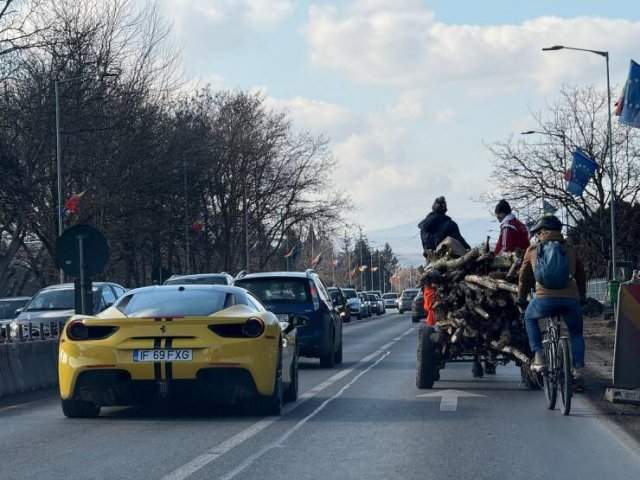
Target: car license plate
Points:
(282, 317)
(163, 355)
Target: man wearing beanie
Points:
(513, 233)
(437, 226)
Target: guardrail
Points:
(32, 331)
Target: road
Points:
(365, 420)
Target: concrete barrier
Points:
(28, 366)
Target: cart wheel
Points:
(426, 365)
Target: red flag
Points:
(197, 226)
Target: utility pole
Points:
(371, 268)
(246, 227)
(186, 218)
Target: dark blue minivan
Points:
(301, 293)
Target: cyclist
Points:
(553, 267)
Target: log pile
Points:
(476, 310)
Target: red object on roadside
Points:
(72, 205)
(430, 297)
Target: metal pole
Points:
(564, 171)
(613, 216)
(83, 279)
(186, 219)
(380, 275)
(361, 265)
(371, 268)
(58, 166)
(246, 228)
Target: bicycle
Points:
(557, 374)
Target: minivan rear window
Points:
(278, 290)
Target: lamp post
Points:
(562, 136)
(56, 87)
(605, 55)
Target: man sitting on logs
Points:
(513, 233)
(437, 226)
(554, 269)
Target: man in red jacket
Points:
(513, 233)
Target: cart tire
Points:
(426, 365)
(529, 379)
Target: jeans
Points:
(570, 310)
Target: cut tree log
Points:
(492, 284)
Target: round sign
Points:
(96, 250)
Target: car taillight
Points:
(252, 328)
(314, 296)
(77, 330)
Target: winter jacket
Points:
(436, 227)
(513, 235)
(577, 285)
(429, 295)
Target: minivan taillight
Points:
(314, 296)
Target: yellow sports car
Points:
(178, 341)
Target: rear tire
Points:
(426, 367)
(329, 360)
(565, 379)
(80, 409)
(271, 405)
(338, 355)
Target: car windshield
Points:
(53, 300)
(207, 280)
(390, 295)
(172, 303)
(278, 290)
(410, 293)
(349, 293)
(372, 297)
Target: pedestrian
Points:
(513, 233)
(437, 226)
(553, 268)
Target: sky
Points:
(409, 92)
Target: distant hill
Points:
(405, 239)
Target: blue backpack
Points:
(552, 268)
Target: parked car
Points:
(56, 304)
(200, 279)
(301, 293)
(390, 300)
(417, 308)
(406, 299)
(9, 305)
(377, 305)
(340, 303)
(365, 305)
(353, 302)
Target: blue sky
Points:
(409, 91)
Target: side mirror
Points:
(19, 311)
(298, 320)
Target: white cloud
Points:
(401, 43)
(319, 117)
(256, 12)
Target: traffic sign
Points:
(69, 255)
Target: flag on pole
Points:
(628, 106)
(374, 269)
(362, 268)
(291, 252)
(316, 261)
(353, 272)
(72, 205)
(582, 169)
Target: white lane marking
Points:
(18, 405)
(280, 442)
(449, 398)
(219, 450)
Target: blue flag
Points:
(628, 106)
(581, 171)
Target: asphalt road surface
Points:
(365, 420)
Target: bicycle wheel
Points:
(549, 376)
(565, 380)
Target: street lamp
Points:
(56, 87)
(605, 55)
(562, 136)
